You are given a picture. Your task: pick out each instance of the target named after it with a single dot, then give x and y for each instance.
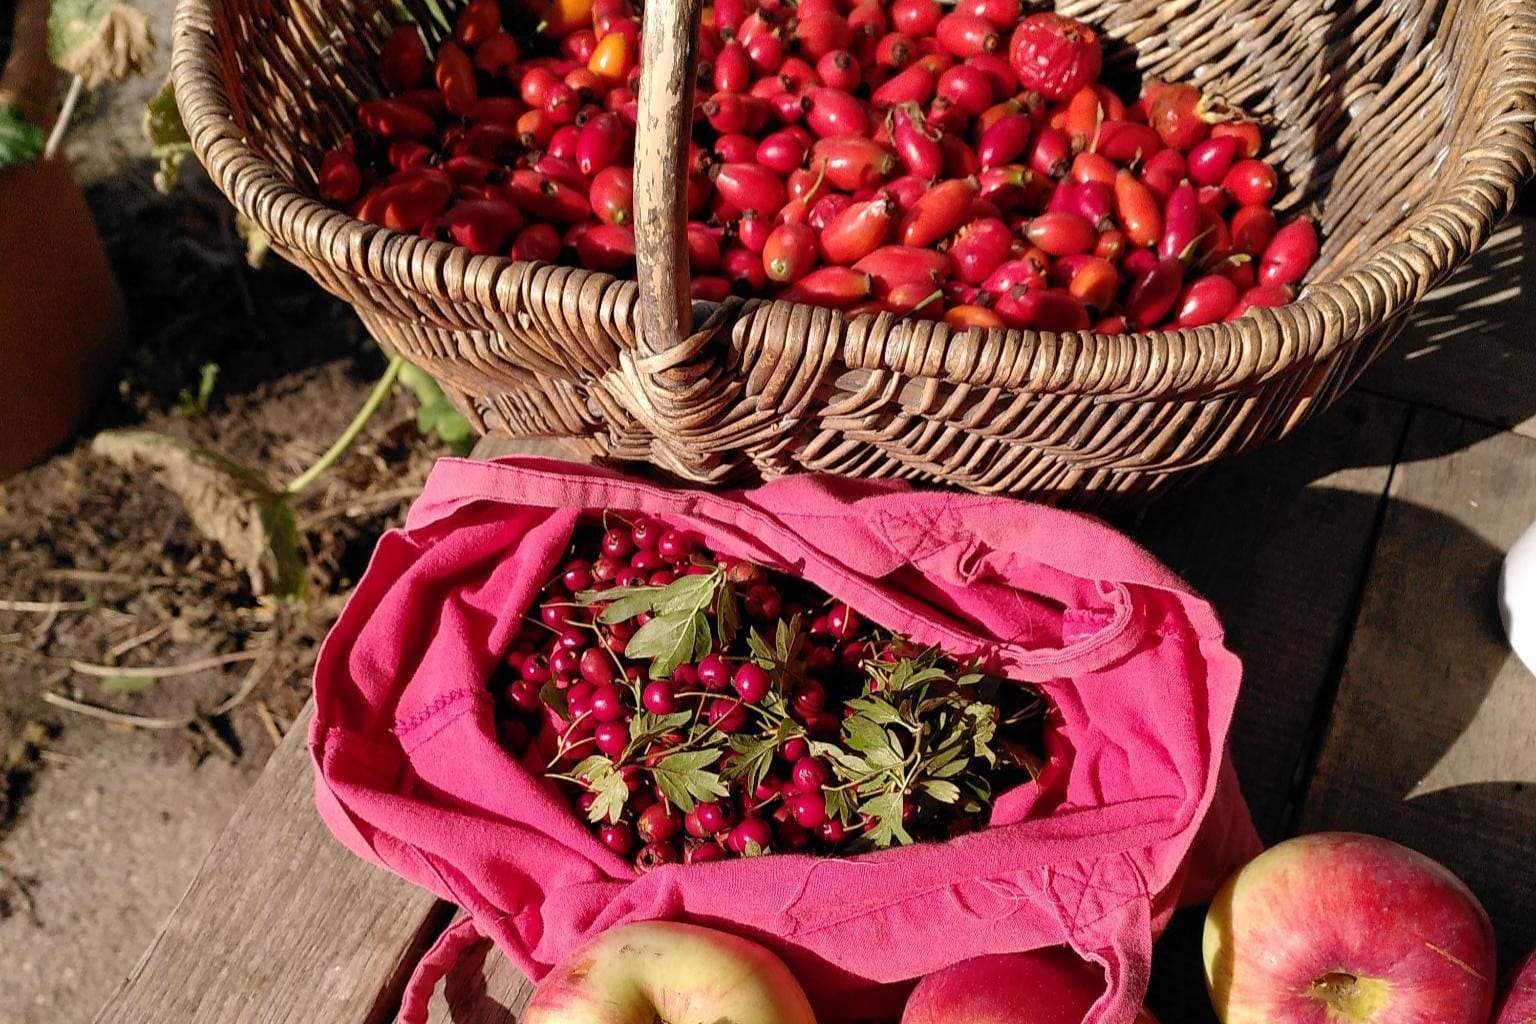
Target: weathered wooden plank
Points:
(282, 923)
(482, 988)
(1469, 348)
(1431, 740)
(1279, 541)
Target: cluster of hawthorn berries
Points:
(759, 716)
(962, 163)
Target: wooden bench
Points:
(1354, 566)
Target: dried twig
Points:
(118, 650)
(252, 678)
(98, 576)
(86, 668)
(116, 717)
(47, 607)
(269, 722)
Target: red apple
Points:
(1339, 928)
(1043, 986)
(1518, 1004)
(664, 970)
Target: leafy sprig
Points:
(679, 627)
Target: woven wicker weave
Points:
(1408, 126)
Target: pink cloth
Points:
(1096, 856)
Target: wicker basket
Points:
(1408, 125)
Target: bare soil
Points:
(104, 580)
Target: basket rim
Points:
(1230, 356)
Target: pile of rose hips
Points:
(961, 162)
(771, 718)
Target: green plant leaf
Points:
(194, 406)
(943, 792)
(127, 684)
(168, 139)
(689, 593)
(668, 640)
(435, 414)
(624, 603)
(685, 780)
(21, 141)
(886, 830)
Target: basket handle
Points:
(669, 65)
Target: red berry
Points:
(658, 823)
(607, 701)
(714, 673)
(752, 681)
(565, 662)
(654, 855)
(794, 749)
(809, 809)
(843, 621)
(597, 668)
(618, 838)
(647, 533)
(703, 853)
(578, 697)
(1251, 182)
(675, 545)
(715, 815)
(753, 836)
(659, 698)
(524, 695)
(810, 699)
(831, 832)
(535, 668)
(727, 715)
(612, 738)
(618, 543)
(1290, 254)
(1055, 55)
(809, 775)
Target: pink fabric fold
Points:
(1094, 856)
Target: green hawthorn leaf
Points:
(647, 728)
(877, 710)
(761, 652)
(942, 791)
(886, 828)
(667, 640)
(756, 756)
(612, 794)
(842, 805)
(689, 593)
(624, 602)
(21, 141)
(685, 779)
(727, 615)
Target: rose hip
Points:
(1055, 55)
(1290, 254)
(1251, 182)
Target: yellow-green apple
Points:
(1042, 986)
(1341, 928)
(669, 971)
(1518, 1004)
